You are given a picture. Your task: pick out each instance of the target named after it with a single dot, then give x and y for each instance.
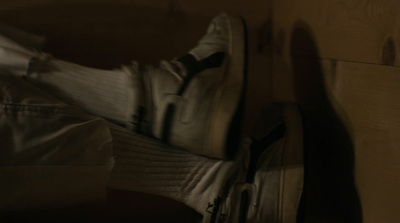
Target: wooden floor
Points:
(337, 59)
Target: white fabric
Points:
(150, 166)
(99, 92)
(51, 154)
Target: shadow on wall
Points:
(329, 194)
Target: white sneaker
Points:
(279, 176)
(271, 190)
(192, 101)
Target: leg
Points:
(57, 156)
(147, 165)
(192, 102)
(262, 183)
(105, 93)
(49, 150)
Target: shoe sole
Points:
(229, 96)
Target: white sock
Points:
(112, 94)
(147, 165)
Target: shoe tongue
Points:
(202, 52)
(194, 66)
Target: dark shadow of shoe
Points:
(329, 192)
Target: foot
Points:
(278, 175)
(191, 102)
(270, 191)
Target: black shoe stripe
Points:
(244, 206)
(167, 125)
(194, 66)
(256, 149)
(259, 146)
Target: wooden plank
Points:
(365, 98)
(358, 30)
(370, 96)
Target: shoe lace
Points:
(176, 68)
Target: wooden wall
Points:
(344, 52)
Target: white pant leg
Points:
(51, 154)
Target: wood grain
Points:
(366, 99)
(370, 96)
(341, 56)
(359, 30)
